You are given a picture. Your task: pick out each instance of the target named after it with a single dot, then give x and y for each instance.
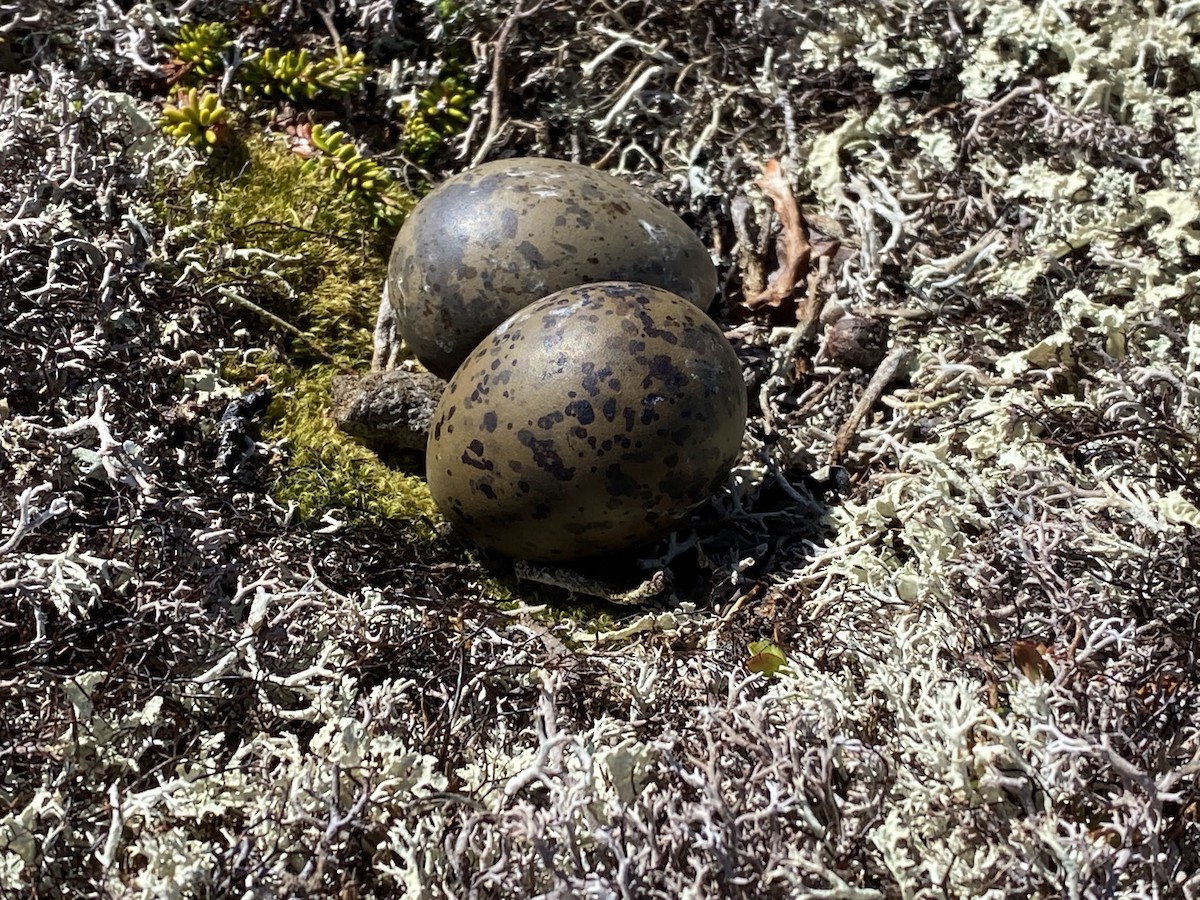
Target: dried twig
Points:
(386, 339)
(884, 375)
(753, 280)
(496, 86)
(991, 109)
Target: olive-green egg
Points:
(495, 238)
(591, 421)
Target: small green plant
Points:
(199, 120)
(296, 75)
(363, 179)
(765, 658)
(449, 20)
(421, 140)
(449, 100)
(441, 111)
(202, 47)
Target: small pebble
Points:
(856, 342)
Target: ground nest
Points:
(935, 637)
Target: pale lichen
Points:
(988, 620)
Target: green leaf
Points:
(765, 658)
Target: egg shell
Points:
(495, 238)
(589, 422)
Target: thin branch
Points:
(496, 85)
(884, 375)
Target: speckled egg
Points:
(495, 238)
(590, 421)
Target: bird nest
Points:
(936, 636)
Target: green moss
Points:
(289, 240)
(326, 472)
(299, 263)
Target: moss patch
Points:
(297, 267)
(326, 472)
(292, 242)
